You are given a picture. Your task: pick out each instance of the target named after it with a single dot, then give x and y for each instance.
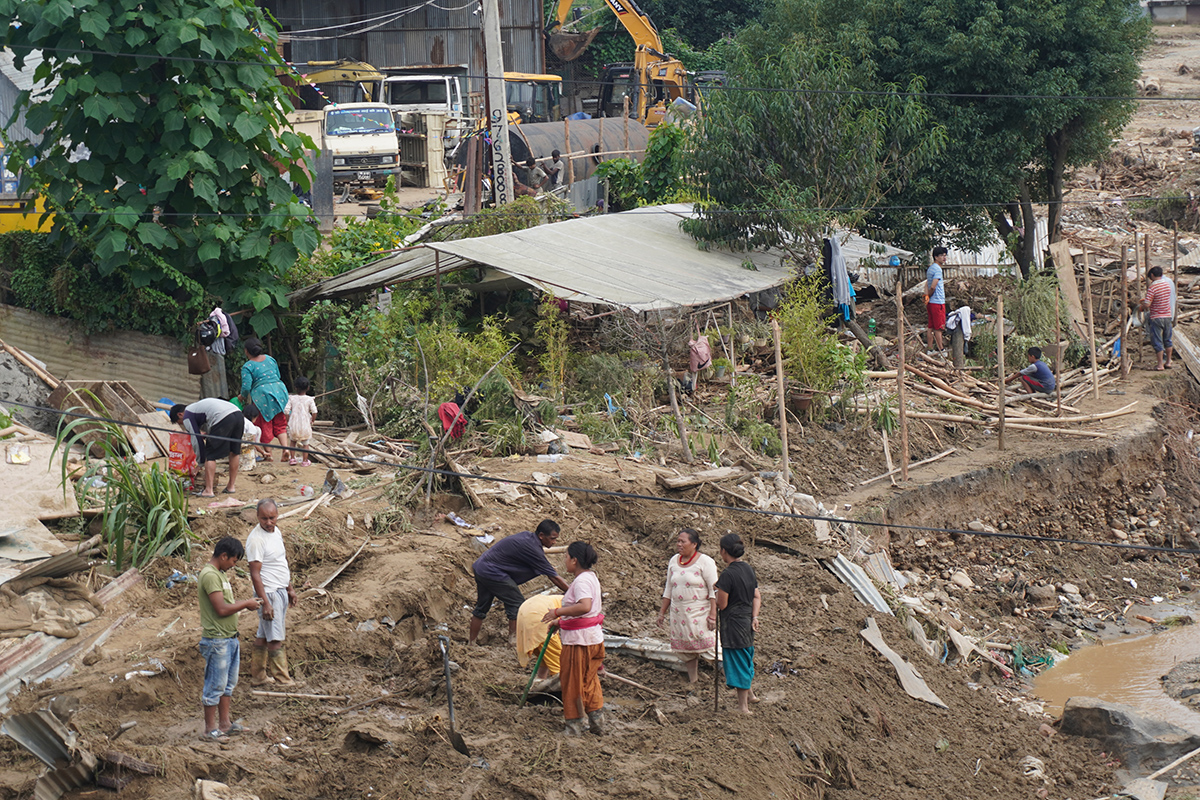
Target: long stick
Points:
(1175, 263)
(716, 664)
(634, 684)
(1058, 354)
(1124, 312)
(301, 695)
(1087, 288)
(537, 665)
(1173, 765)
(929, 460)
(779, 390)
(887, 453)
(1000, 359)
(900, 378)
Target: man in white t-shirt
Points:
(272, 581)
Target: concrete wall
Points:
(155, 365)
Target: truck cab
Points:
(427, 94)
(533, 98)
(361, 137)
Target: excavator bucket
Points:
(570, 46)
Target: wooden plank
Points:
(912, 683)
(1064, 265)
(697, 478)
(156, 419)
(1187, 351)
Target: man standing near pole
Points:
(1160, 301)
(935, 300)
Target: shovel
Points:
(456, 739)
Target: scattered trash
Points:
(306, 491)
(549, 458)
(1033, 768)
(177, 578)
(366, 626)
(457, 520)
(146, 673)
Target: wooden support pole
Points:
(1123, 330)
(779, 389)
(1000, 361)
(1058, 354)
(900, 379)
(1087, 289)
(567, 144)
(1175, 265)
(625, 122)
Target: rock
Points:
(960, 578)
(214, 790)
(266, 478)
(1125, 731)
(1069, 588)
(1040, 593)
(976, 525)
(1046, 730)
(1119, 534)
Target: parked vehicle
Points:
(361, 137)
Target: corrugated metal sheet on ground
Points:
(155, 365)
(853, 576)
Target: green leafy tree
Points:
(791, 147)
(702, 22)
(183, 120)
(1026, 89)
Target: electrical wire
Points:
(637, 497)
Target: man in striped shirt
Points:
(1160, 301)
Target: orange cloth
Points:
(580, 678)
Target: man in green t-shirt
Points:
(218, 638)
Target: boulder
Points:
(1121, 729)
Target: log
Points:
(301, 695)
(342, 568)
(697, 478)
(889, 473)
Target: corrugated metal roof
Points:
(58, 566)
(853, 576)
(155, 365)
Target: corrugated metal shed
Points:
(155, 365)
(13, 81)
(434, 32)
(638, 259)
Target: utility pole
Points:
(502, 179)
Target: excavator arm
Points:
(628, 14)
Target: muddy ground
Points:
(833, 721)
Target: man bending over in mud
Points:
(510, 562)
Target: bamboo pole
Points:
(779, 390)
(1175, 266)
(567, 145)
(1000, 362)
(1058, 354)
(890, 473)
(1124, 329)
(900, 379)
(887, 455)
(625, 122)
(1087, 289)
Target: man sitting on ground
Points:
(1037, 377)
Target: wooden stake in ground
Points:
(779, 388)
(1175, 264)
(1124, 329)
(1058, 354)
(567, 144)
(900, 379)
(1087, 289)
(1000, 361)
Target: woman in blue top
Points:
(262, 386)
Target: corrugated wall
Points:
(155, 365)
(439, 32)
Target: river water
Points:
(1125, 671)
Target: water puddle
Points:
(1125, 671)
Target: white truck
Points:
(410, 95)
(361, 137)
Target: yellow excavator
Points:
(651, 82)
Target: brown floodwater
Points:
(1125, 671)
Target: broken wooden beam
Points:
(697, 478)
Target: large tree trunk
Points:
(1027, 235)
(1056, 151)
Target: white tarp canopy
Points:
(640, 260)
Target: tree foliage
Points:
(703, 22)
(163, 137)
(791, 147)
(1026, 89)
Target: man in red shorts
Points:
(935, 300)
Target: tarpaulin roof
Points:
(640, 260)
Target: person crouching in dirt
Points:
(1037, 377)
(505, 566)
(532, 636)
(219, 638)
(272, 581)
(738, 603)
(582, 659)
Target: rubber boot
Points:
(574, 727)
(596, 720)
(258, 667)
(278, 666)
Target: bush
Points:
(812, 354)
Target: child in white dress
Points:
(301, 412)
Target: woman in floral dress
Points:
(690, 596)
